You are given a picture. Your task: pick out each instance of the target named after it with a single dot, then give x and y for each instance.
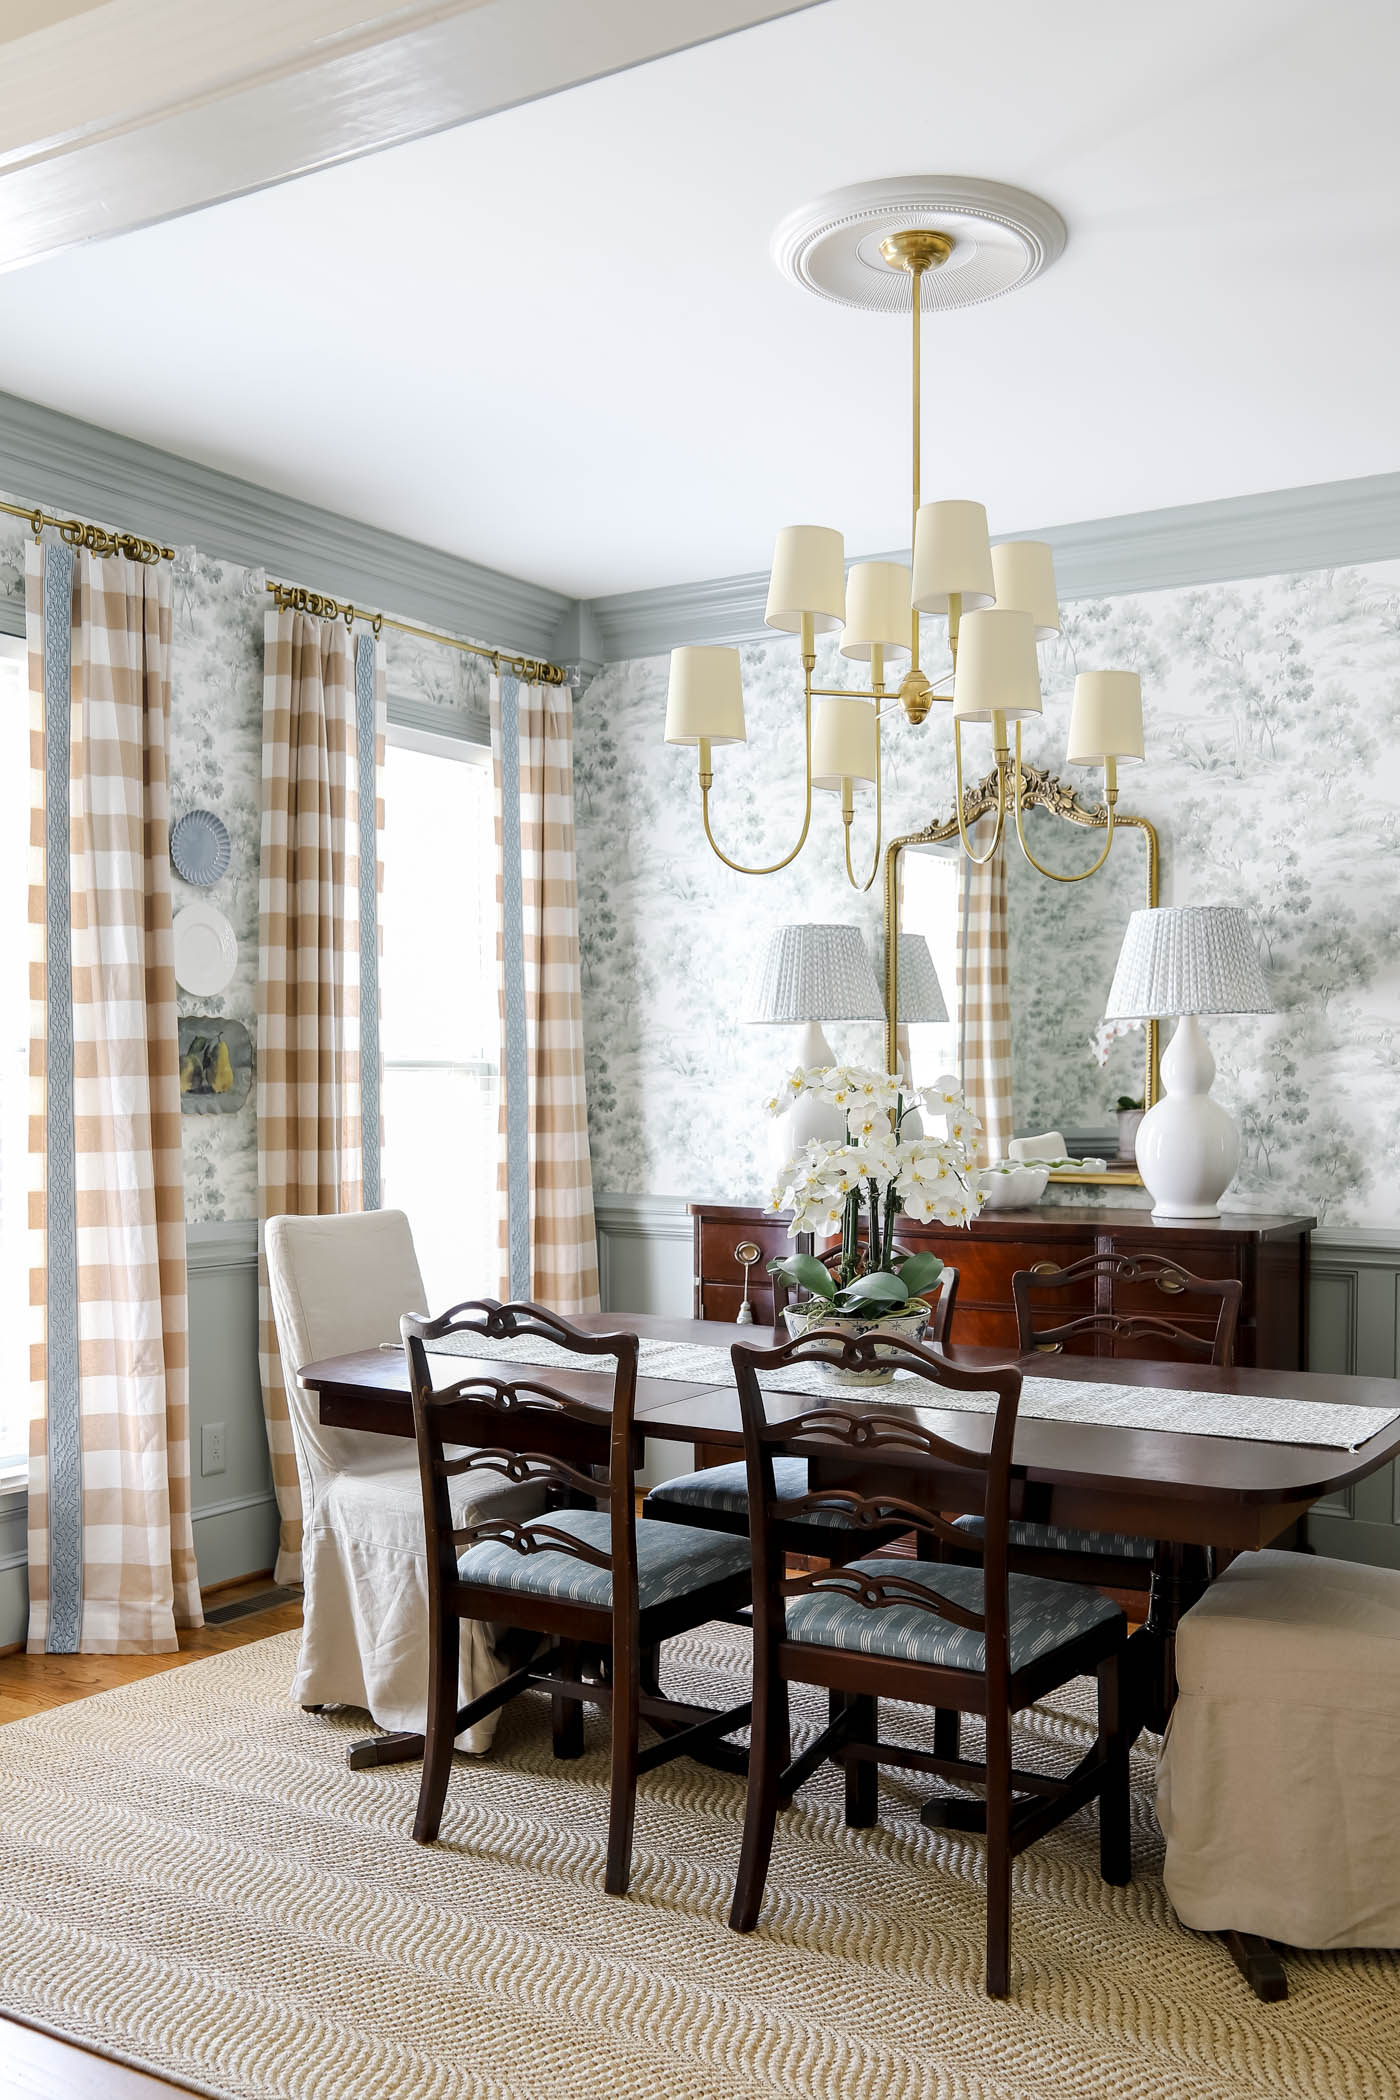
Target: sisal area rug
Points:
(191, 1880)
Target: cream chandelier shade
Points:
(705, 698)
(998, 603)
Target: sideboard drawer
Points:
(721, 1301)
(1217, 1264)
(717, 1240)
(985, 1269)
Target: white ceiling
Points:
(553, 341)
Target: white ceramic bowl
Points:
(1022, 1183)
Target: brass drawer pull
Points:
(1045, 1268)
(1172, 1285)
(1049, 1348)
(746, 1252)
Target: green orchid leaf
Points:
(806, 1270)
(917, 1272)
(877, 1291)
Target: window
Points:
(440, 1027)
(14, 1055)
(929, 905)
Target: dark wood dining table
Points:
(1187, 1493)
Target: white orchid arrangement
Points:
(858, 1186)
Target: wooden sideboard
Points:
(1269, 1255)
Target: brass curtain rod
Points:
(96, 538)
(292, 597)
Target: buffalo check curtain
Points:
(318, 961)
(547, 1242)
(111, 1550)
(984, 996)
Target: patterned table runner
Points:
(1331, 1426)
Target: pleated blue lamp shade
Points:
(920, 993)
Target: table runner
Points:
(1327, 1425)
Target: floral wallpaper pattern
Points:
(1271, 706)
(216, 764)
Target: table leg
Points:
(1258, 1964)
(1180, 1575)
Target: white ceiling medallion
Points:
(1002, 238)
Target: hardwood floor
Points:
(29, 1684)
(39, 2066)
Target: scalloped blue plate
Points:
(199, 847)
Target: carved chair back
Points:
(581, 1451)
(899, 1472)
(1030, 1288)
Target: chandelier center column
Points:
(916, 249)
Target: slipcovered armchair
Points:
(339, 1284)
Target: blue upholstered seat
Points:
(725, 1489)
(1043, 1616)
(672, 1560)
(1058, 1538)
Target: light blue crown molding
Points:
(1278, 533)
(67, 465)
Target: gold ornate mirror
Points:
(1036, 954)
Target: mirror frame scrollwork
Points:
(1042, 790)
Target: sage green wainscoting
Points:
(235, 1512)
(646, 1264)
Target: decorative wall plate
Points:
(199, 847)
(216, 1065)
(206, 952)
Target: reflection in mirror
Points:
(1028, 1042)
(1063, 943)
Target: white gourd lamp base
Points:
(1188, 1148)
(810, 1118)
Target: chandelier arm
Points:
(979, 860)
(706, 778)
(879, 825)
(1039, 866)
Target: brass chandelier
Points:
(999, 602)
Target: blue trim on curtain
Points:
(366, 782)
(63, 1415)
(517, 1056)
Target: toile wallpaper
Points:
(216, 764)
(1272, 706)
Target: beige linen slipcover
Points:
(339, 1284)
(1279, 1787)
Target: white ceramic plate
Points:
(206, 953)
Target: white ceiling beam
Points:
(126, 112)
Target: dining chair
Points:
(580, 1576)
(927, 1633)
(338, 1284)
(1113, 1560)
(718, 1496)
(1276, 1788)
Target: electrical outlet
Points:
(212, 1456)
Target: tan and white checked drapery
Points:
(548, 1249)
(318, 951)
(984, 996)
(111, 1549)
